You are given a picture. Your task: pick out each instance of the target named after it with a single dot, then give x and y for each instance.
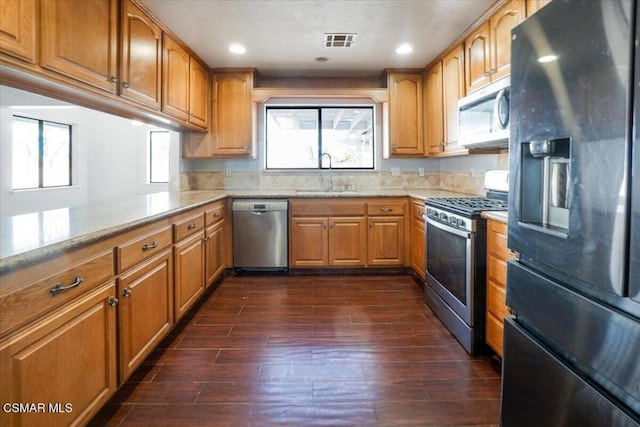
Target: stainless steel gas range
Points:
(456, 257)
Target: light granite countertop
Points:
(501, 216)
(34, 236)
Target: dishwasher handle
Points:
(258, 212)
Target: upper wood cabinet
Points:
(232, 115)
(141, 66)
(453, 88)
(18, 29)
(198, 94)
(175, 79)
(434, 117)
(405, 114)
(80, 40)
(535, 5)
(488, 48)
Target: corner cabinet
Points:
(95, 23)
(232, 115)
(405, 114)
(488, 49)
(18, 29)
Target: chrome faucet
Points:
(330, 182)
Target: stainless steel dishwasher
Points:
(260, 234)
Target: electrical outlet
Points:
(421, 171)
(227, 172)
(395, 171)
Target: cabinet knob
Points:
(487, 73)
(126, 292)
(114, 79)
(113, 301)
(125, 85)
(370, 225)
(192, 226)
(216, 215)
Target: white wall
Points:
(109, 155)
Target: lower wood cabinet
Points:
(418, 238)
(347, 233)
(215, 251)
(189, 273)
(145, 313)
(497, 256)
(66, 361)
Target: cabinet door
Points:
(308, 242)
(198, 94)
(386, 241)
(175, 79)
(231, 124)
(417, 247)
(501, 24)
(141, 57)
(66, 361)
(453, 89)
(532, 6)
(145, 313)
(477, 58)
(189, 273)
(405, 115)
(18, 29)
(79, 40)
(435, 115)
(347, 242)
(215, 252)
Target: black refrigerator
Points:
(572, 344)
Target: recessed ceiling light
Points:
(404, 49)
(237, 48)
(547, 58)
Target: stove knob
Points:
(443, 216)
(452, 221)
(462, 223)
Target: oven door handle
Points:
(465, 234)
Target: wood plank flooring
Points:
(310, 351)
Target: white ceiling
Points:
(283, 37)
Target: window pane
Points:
(159, 156)
(347, 135)
(25, 153)
(292, 138)
(56, 150)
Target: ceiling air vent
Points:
(339, 39)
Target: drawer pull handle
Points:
(216, 215)
(147, 247)
(383, 209)
(192, 226)
(59, 288)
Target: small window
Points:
(158, 157)
(41, 154)
(298, 138)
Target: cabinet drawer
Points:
(188, 226)
(141, 248)
(497, 270)
(494, 334)
(496, 300)
(214, 213)
(417, 209)
(390, 207)
(327, 207)
(37, 298)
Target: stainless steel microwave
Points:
(484, 117)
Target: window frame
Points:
(41, 123)
(319, 108)
(150, 157)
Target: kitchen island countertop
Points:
(38, 235)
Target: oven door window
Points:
(447, 261)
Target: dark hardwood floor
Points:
(306, 351)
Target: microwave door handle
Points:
(500, 98)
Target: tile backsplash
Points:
(470, 183)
